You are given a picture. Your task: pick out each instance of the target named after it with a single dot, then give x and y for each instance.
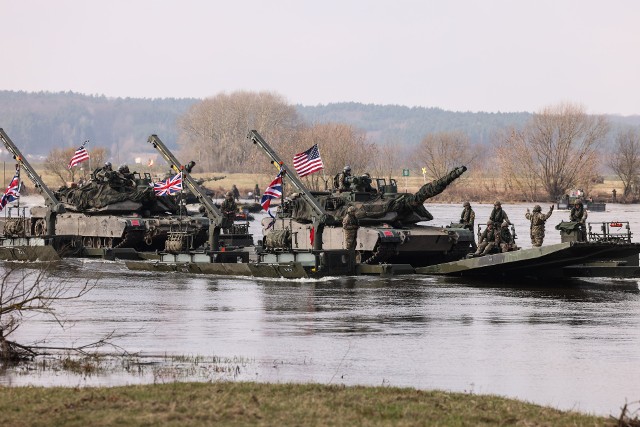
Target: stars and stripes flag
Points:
(12, 192)
(79, 156)
(168, 186)
(273, 191)
(308, 162)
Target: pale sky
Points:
(465, 55)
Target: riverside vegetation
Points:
(240, 403)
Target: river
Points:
(571, 345)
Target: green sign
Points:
(405, 172)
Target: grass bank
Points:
(232, 403)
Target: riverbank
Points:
(242, 403)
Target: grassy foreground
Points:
(232, 403)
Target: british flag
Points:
(12, 192)
(168, 186)
(273, 191)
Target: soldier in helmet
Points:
(579, 214)
(343, 180)
(537, 219)
(350, 226)
(468, 216)
(498, 216)
(507, 242)
(489, 239)
(229, 209)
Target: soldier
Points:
(236, 192)
(350, 226)
(498, 216)
(343, 180)
(229, 209)
(579, 214)
(507, 242)
(256, 194)
(489, 239)
(468, 216)
(538, 220)
(102, 174)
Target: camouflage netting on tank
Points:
(278, 239)
(95, 196)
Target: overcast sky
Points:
(465, 55)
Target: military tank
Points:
(391, 224)
(109, 211)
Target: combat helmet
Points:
(347, 168)
(351, 209)
(466, 204)
(537, 208)
(228, 194)
(497, 204)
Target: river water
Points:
(571, 345)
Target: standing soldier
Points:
(498, 216)
(538, 220)
(579, 214)
(350, 226)
(343, 180)
(256, 194)
(468, 216)
(467, 219)
(489, 239)
(229, 209)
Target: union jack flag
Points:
(308, 162)
(273, 191)
(168, 186)
(12, 192)
(79, 156)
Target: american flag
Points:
(168, 186)
(79, 156)
(273, 191)
(12, 192)
(308, 162)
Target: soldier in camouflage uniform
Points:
(507, 242)
(538, 220)
(350, 226)
(229, 210)
(343, 180)
(489, 239)
(498, 216)
(579, 214)
(468, 216)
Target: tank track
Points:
(383, 252)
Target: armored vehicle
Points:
(391, 224)
(223, 232)
(110, 211)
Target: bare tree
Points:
(440, 152)
(557, 150)
(57, 163)
(27, 291)
(213, 132)
(385, 158)
(625, 159)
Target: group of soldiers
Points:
(497, 235)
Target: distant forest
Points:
(39, 122)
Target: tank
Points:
(111, 210)
(391, 229)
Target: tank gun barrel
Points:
(255, 137)
(50, 198)
(437, 186)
